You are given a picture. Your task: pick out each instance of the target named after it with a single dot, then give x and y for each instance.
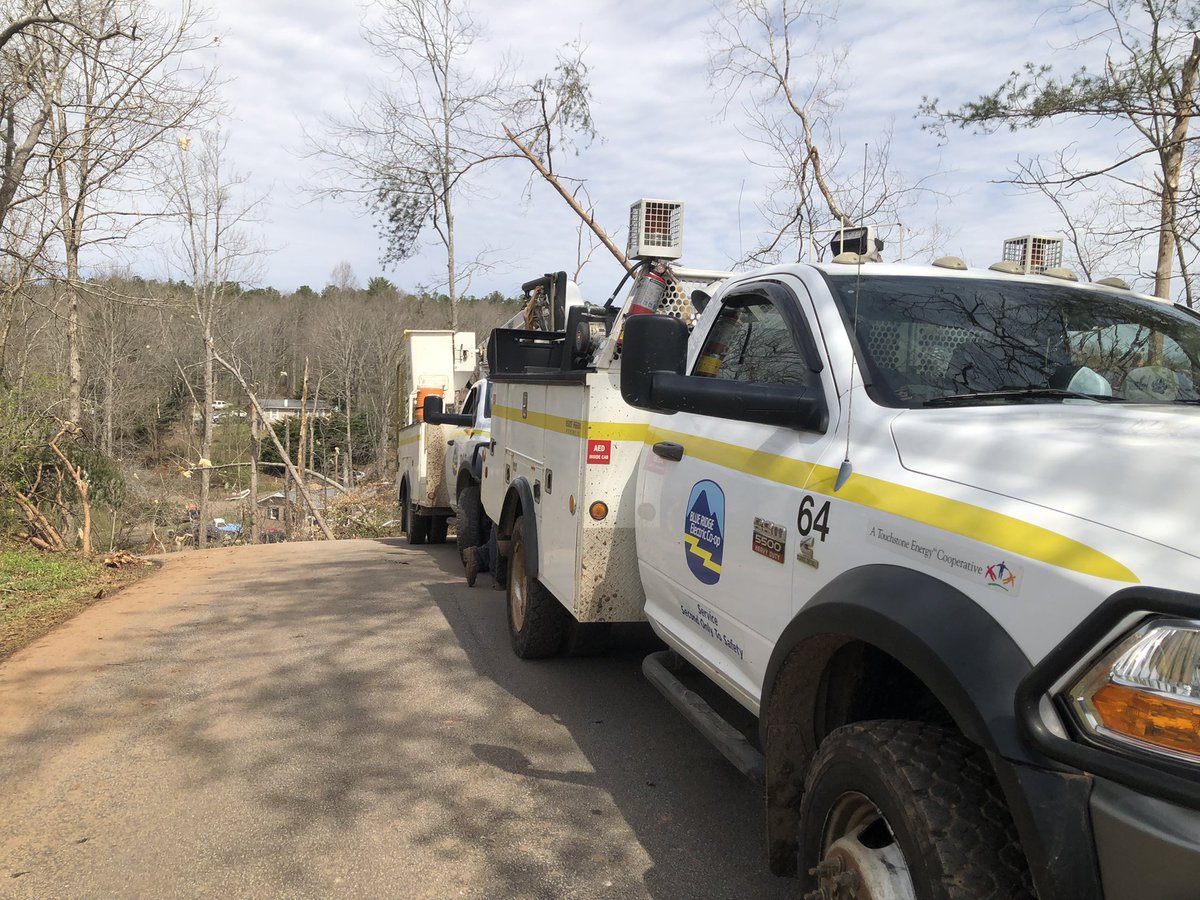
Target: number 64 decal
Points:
(807, 521)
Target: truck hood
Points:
(1131, 468)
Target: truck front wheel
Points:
(537, 622)
(898, 810)
(469, 522)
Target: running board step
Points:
(732, 744)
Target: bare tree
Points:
(214, 251)
(1147, 89)
(31, 73)
(407, 151)
(342, 278)
(778, 60)
(31, 17)
(111, 110)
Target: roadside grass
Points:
(40, 590)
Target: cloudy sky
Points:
(288, 63)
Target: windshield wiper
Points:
(1029, 393)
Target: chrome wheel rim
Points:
(860, 858)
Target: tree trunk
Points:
(301, 456)
(255, 449)
(583, 214)
(287, 475)
(349, 441)
(110, 387)
(206, 441)
(74, 353)
(9, 310)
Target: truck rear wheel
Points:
(898, 810)
(537, 622)
(416, 526)
(469, 523)
(438, 528)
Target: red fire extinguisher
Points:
(648, 293)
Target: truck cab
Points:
(463, 469)
(929, 525)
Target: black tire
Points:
(537, 622)
(416, 526)
(586, 638)
(439, 526)
(469, 522)
(922, 790)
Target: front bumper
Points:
(1147, 848)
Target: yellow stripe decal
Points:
(954, 516)
(595, 431)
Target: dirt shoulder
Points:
(41, 590)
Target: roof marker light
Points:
(1061, 273)
(1008, 267)
(950, 262)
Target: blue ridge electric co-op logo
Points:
(704, 531)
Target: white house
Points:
(278, 410)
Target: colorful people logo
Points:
(999, 575)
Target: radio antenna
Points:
(845, 470)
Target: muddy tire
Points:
(537, 622)
(913, 808)
(439, 527)
(469, 522)
(416, 526)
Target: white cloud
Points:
(289, 62)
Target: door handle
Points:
(669, 450)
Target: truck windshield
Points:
(928, 341)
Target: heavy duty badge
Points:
(770, 539)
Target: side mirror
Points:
(432, 407)
(432, 411)
(652, 345)
(653, 359)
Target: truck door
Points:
(464, 445)
(719, 498)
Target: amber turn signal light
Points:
(1152, 718)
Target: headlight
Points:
(1145, 693)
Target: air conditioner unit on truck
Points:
(932, 526)
(439, 464)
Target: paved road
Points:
(347, 719)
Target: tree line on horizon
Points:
(114, 135)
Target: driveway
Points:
(346, 719)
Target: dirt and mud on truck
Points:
(931, 525)
(439, 465)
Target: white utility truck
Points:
(462, 466)
(433, 456)
(933, 526)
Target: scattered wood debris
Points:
(119, 559)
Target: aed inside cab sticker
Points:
(704, 531)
